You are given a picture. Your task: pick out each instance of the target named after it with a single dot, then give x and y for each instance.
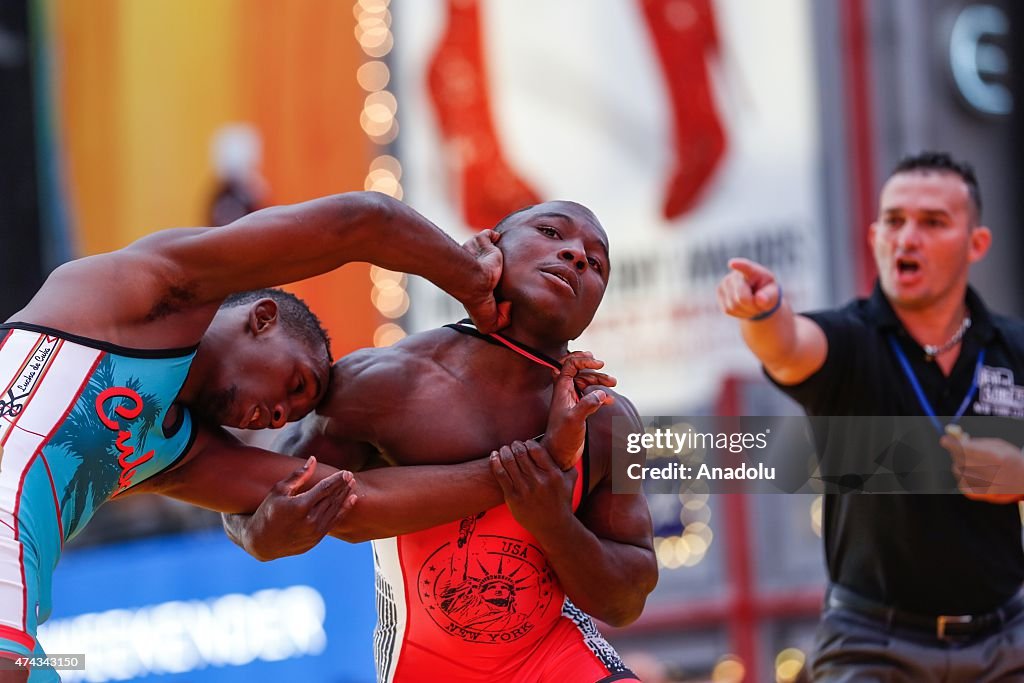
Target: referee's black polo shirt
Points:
(924, 553)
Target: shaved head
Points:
(553, 208)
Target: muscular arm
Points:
(791, 347)
(603, 555)
(397, 500)
(605, 561)
(224, 475)
(185, 273)
(287, 243)
(401, 500)
(388, 502)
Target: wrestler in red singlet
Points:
(475, 600)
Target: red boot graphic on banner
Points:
(457, 79)
(685, 38)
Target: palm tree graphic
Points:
(86, 439)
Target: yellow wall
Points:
(178, 67)
(86, 59)
(143, 84)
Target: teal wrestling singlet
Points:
(80, 422)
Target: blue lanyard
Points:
(922, 399)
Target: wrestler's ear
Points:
(263, 316)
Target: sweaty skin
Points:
(444, 397)
(140, 312)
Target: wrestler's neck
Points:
(198, 373)
(201, 371)
(536, 337)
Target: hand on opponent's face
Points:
(487, 314)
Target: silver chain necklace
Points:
(933, 351)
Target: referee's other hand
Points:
(990, 470)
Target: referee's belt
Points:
(942, 627)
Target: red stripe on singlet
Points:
(577, 487)
(21, 485)
(20, 637)
(21, 546)
(56, 503)
(524, 352)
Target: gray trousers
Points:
(852, 648)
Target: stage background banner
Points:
(690, 128)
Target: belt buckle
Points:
(943, 620)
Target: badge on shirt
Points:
(997, 394)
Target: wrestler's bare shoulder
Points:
(379, 371)
(611, 420)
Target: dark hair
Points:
(942, 162)
(293, 313)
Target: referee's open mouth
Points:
(907, 269)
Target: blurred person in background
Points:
(235, 153)
(922, 587)
(124, 364)
(505, 594)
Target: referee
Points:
(922, 587)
